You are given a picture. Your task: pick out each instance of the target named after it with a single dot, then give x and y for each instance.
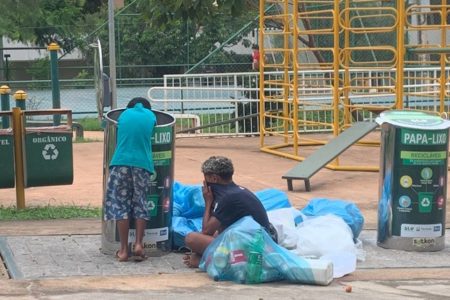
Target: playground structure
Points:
(363, 72)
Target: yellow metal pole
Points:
(262, 56)
(287, 82)
(345, 57)
(336, 68)
(18, 157)
(442, 56)
(400, 52)
(295, 63)
(336, 72)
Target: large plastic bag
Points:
(188, 200)
(348, 211)
(318, 236)
(181, 227)
(273, 199)
(245, 253)
(328, 237)
(283, 220)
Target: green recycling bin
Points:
(48, 156)
(157, 238)
(6, 159)
(413, 181)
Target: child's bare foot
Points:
(192, 260)
(122, 255)
(139, 253)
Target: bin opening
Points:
(161, 117)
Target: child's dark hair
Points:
(137, 100)
(218, 165)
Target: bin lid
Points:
(413, 119)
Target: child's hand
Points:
(207, 194)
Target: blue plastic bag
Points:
(181, 227)
(188, 200)
(245, 253)
(273, 199)
(348, 211)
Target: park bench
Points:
(317, 160)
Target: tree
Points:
(180, 43)
(42, 22)
(197, 11)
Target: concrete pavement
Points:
(60, 259)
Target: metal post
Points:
(53, 48)
(112, 54)
(4, 92)
(1, 60)
(7, 56)
(20, 97)
(18, 157)
(399, 86)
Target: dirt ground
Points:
(254, 169)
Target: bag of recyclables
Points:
(245, 253)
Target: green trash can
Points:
(157, 238)
(413, 181)
(6, 159)
(48, 156)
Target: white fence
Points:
(229, 100)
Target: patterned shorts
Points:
(126, 193)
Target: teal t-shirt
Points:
(134, 133)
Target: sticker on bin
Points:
(424, 242)
(151, 235)
(421, 230)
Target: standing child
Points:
(255, 57)
(129, 175)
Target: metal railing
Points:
(228, 103)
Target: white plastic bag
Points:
(330, 238)
(283, 220)
(318, 236)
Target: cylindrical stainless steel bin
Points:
(413, 181)
(157, 239)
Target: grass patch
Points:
(49, 212)
(85, 140)
(90, 124)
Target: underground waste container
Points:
(157, 237)
(413, 181)
(7, 177)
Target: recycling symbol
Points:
(426, 202)
(50, 152)
(151, 205)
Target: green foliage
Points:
(40, 69)
(90, 124)
(83, 74)
(49, 212)
(180, 43)
(199, 12)
(42, 22)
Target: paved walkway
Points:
(56, 256)
(61, 260)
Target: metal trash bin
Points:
(413, 181)
(7, 177)
(48, 156)
(157, 238)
